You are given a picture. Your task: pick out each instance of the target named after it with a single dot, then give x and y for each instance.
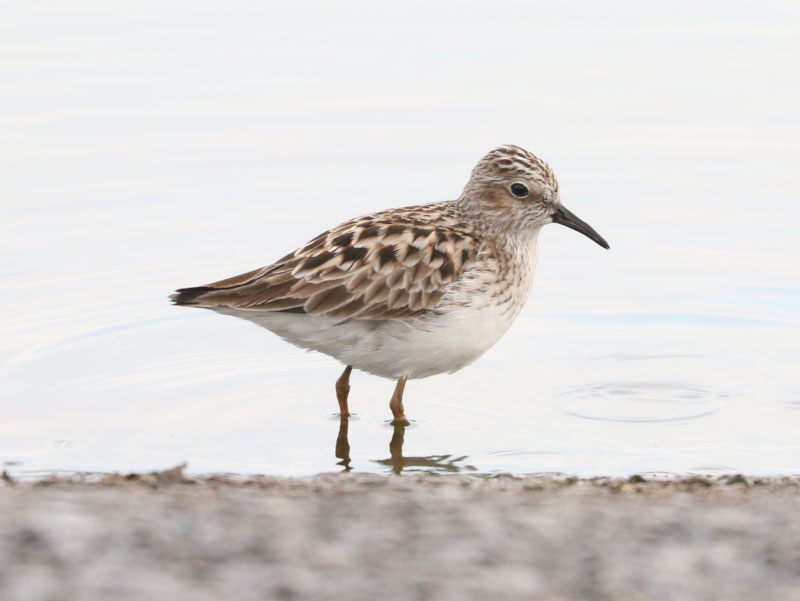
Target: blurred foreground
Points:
(167, 535)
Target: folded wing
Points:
(375, 267)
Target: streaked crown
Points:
(509, 162)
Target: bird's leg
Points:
(343, 390)
(396, 404)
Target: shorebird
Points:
(410, 292)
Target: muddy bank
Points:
(356, 536)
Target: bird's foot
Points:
(401, 420)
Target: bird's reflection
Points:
(343, 445)
(397, 462)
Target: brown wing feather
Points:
(391, 264)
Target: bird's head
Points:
(515, 191)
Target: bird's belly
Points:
(415, 347)
(452, 340)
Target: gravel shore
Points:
(362, 537)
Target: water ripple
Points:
(642, 401)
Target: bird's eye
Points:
(519, 190)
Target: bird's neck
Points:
(513, 245)
(520, 252)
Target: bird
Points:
(411, 292)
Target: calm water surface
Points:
(162, 148)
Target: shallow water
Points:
(157, 149)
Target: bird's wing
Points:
(390, 264)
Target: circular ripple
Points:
(663, 387)
(642, 401)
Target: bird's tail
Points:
(214, 294)
(190, 296)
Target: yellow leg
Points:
(396, 404)
(343, 390)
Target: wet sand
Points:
(358, 536)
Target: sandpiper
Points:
(410, 292)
